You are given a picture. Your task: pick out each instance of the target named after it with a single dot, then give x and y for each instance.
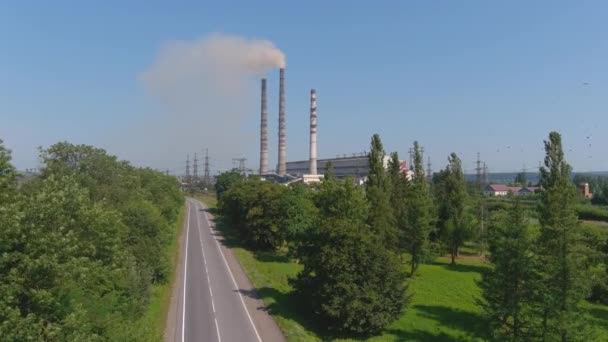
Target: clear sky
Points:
(465, 76)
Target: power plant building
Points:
(356, 166)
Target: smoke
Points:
(206, 91)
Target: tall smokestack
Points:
(313, 132)
(264, 132)
(282, 135)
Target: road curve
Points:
(213, 299)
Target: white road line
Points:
(236, 287)
(185, 276)
(217, 328)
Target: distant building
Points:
(504, 190)
(583, 188)
(496, 190)
(355, 166)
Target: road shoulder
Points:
(171, 330)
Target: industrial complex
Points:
(311, 170)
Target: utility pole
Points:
(206, 178)
(195, 170)
(187, 169)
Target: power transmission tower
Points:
(188, 168)
(195, 169)
(206, 178)
(478, 171)
(241, 167)
(485, 174)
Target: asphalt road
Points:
(212, 306)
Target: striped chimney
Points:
(282, 135)
(313, 132)
(264, 132)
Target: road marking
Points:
(217, 327)
(236, 287)
(185, 276)
(200, 239)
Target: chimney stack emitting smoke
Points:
(313, 132)
(264, 132)
(282, 136)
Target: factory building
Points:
(356, 166)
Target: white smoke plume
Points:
(207, 89)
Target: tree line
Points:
(81, 245)
(353, 241)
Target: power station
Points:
(311, 170)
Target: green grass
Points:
(151, 326)
(442, 308)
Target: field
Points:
(442, 307)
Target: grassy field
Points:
(151, 326)
(442, 307)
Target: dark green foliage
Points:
(419, 214)
(592, 212)
(298, 219)
(455, 223)
(521, 179)
(225, 181)
(81, 247)
(398, 201)
(596, 238)
(507, 287)
(330, 173)
(353, 286)
(378, 188)
(564, 273)
(254, 208)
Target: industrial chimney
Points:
(313, 132)
(264, 132)
(282, 144)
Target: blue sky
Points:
(463, 76)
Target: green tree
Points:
(564, 272)
(225, 181)
(507, 287)
(455, 223)
(521, 179)
(420, 215)
(381, 218)
(353, 285)
(297, 218)
(330, 173)
(398, 201)
(7, 175)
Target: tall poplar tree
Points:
(455, 223)
(507, 287)
(420, 215)
(564, 272)
(378, 192)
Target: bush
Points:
(592, 213)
